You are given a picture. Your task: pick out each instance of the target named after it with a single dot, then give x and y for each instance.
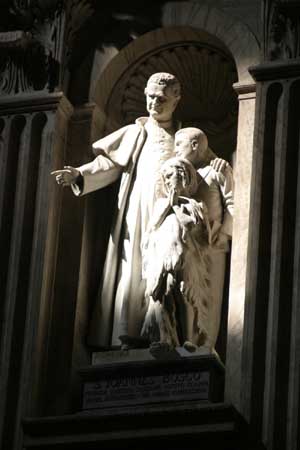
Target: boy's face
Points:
(185, 147)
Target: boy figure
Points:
(215, 189)
(175, 262)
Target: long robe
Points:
(135, 153)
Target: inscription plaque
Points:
(140, 389)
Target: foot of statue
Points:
(160, 346)
(130, 342)
(207, 345)
(190, 347)
(161, 350)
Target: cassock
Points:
(135, 153)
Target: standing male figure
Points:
(135, 153)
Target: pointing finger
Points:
(61, 172)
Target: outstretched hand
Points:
(219, 165)
(66, 176)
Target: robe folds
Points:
(175, 266)
(133, 153)
(117, 155)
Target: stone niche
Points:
(206, 71)
(214, 79)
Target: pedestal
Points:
(117, 380)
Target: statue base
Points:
(143, 377)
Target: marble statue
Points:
(135, 153)
(175, 262)
(215, 189)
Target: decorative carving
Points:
(282, 29)
(77, 13)
(30, 43)
(91, 26)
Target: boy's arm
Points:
(226, 184)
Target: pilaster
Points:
(33, 137)
(242, 218)
(270, 398)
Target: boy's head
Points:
(179, 174)
(190, 143)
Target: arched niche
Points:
(204, 68)
(233, 33)
(206, 71)
(191, 35)
(206, 37)
(235, 36)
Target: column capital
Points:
(245, 90)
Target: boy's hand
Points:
(219, 165)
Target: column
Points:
(271, 363)
(239, 254)
(34, 132)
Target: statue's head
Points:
(191, 143)
(180, 175)
(162, 95)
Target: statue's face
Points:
(175, 178)
(186, 147)
(160, 102)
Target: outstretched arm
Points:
(91, 176)
(97, 174)
(67, 176)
